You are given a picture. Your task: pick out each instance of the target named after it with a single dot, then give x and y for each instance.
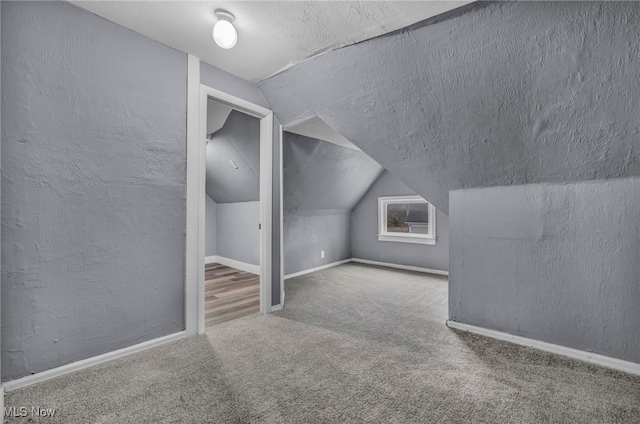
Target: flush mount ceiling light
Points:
(224, 33)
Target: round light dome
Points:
(225, 34)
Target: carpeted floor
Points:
(354, 344)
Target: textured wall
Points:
(231, 84)
(364, 231)
(307, 232)
(237, 233)
(322, 182)
(210, 210)
(322, 175)
(238, 140)
(557, 263)
(509, 93)
(93, 190)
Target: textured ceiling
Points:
(237, 141)
(272, 35)
(506, 94)
(320, 175)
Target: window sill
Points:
(407, 239)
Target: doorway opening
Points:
(232, 214)
(197, 137)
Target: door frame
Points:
(196, 182)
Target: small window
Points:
(406, 219)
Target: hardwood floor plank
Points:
(239, 300)
(229, 293)
(232, 308)
(232, 285)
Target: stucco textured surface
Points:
(237, 233)
(557, 263)
(308, 232)
(93, 187)
(364, 231)
(272, 35)
(231, 84)
(238, 141)
(322, 182)
(322, 175)
(509, 93)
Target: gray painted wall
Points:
(231, 84)
(93, 187)
(307, 232)
(557, 263)
(238, 140)
(322, 175)
(237, 233)
(509, 93)
(322, 183)
(210, 211)
(364, 231)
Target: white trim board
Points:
(317, 268)
(593, 358)
(276, 307)
(405, 267)
(89, 362)
(193, 267)
(243, 266)
(209, 260)
(281, 171)
(198, 95)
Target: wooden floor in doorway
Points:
(229, 293)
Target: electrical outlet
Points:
(322, 254)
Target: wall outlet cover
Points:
(322, 254)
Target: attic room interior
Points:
(288, 212)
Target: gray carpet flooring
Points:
(354, 344)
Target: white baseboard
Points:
(209, 260)
(593, 358)
(318, 268)
(243, 266)
(405, 267)
(276, 307)
(89, 362)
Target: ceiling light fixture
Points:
(224, 33)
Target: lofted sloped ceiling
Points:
(238, 141)
(318, 129)
(217, 114)
(508, 93)
(272, 35)
(322, 175)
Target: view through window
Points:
(408, 219)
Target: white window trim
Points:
(383, 235)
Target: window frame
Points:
(383, 235)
